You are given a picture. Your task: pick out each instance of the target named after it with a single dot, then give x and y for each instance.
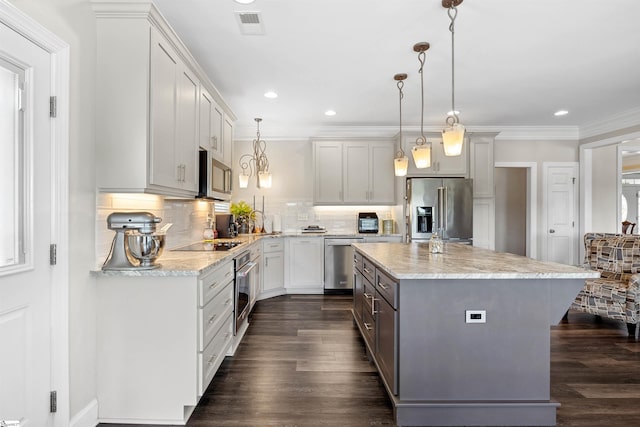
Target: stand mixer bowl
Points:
(146, 248)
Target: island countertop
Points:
(459, 261)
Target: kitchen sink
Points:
(206, 246)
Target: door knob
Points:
(552, 231)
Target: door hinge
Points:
(20, 99)
(53, 249)
(53, 401)
(53, 106)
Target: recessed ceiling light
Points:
(271, 94)
(244, 1)
(561, 113)
(329, 113)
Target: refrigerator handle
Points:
(442, 208)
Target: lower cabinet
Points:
(375, 312)
(272, 268)
(160, 341)
(305, 265)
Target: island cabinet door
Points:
(358, 294)
(386, 341)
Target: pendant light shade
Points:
(422, 155)
(452, 139)
(453, 134)
(422, 150)
(243, 179)
(401, 162)
(257, 161)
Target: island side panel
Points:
(443, 358)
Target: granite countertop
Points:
(193, 263)
(458, 261)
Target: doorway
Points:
(515, 207)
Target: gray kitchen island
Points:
(462, 338)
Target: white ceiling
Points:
(517, 61)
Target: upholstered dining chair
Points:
(627, 227)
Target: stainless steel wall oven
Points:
(244, 269)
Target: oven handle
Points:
(245, 270)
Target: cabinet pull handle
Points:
(366, 295)
(228, 301)
(366, 270)
(214, 142)
(213, 285)
(211, 359)
(367, 327)
(382, 285)
(212, 318)
(373, 306)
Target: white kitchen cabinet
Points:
(148, 126)
(354, 172)
(482, 165)
(227, 141)
(441, 165)
(272, 268)
(160, 341)
(305, 265)
(327, 180)
(211, 116)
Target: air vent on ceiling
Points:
(250, 23)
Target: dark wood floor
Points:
(302, 363)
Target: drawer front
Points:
(357, 261)
(211, 358)
(256, 250)
(212, 283)
(369, 270)
(273, 245)
(369, 329)
(214, 313)
(387, 287)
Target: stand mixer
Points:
(135, 246)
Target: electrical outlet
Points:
(476, 316)
(303, 217)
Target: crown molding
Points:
(611, 124)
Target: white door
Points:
(560, 212)
(25, 231)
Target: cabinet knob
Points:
(552, 231)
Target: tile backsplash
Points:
(189, 217)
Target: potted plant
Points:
(243, 214)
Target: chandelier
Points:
(257, 163)
(401, 162)
(453, 133)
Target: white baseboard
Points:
(87, 416)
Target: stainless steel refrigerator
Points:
(444, 205)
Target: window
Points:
(12, 170)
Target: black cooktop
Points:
(209, 246)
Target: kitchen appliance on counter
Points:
(135, 245)
(313, 229)
(244, 271)
(440, 205)
(368, 222)
(226, 226)
(338, 264)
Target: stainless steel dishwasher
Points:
(338, 264)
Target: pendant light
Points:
(422, 150)
(453, 134)
(258, 161)
(401, 162)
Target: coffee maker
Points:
(135, 245)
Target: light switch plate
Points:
(476, 316)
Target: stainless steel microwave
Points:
(214, 178)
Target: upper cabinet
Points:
(356, 172)
(156, 106)
(441, 165)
